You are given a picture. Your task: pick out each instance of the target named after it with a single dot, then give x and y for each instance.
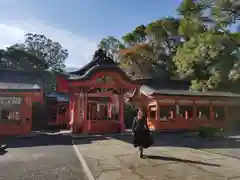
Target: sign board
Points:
(10, 100)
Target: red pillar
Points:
(211, 112)
(76, 113)
(88, 123)
(157, 110)
(121, 112)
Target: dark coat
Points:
(141, 133)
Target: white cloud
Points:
(80, 48)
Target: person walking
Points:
(141, 134)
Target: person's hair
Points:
(143, 110)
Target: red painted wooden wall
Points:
(23, 126)
(61, 83)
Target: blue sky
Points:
(77, 24)
(94, 18)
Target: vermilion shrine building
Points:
(97, 96)
(99, 90)
(16, 107)
(95, 101)
(171, 106)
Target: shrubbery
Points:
(208, 130)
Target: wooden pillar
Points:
(73, 113)
(87, 122)
(177, 111)
(77, 112)
(195, 118)
(227, 118)
(121, 112)
(157, 110)
(211, 111)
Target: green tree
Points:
(147, 51)
(111, 46)
(207, 59)
(17, 59)
(36, 54)
(44, 49)
(209, 55)
(199, 45)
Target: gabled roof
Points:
(95, 69)
(99, 58)
(21, 77)
(7, 72)
(101, 62)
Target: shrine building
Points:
(99, 90)
(16, 107)
(97, 96)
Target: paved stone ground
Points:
(40, 158)
(170, 158)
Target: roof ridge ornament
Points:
(102, 59)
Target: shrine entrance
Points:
(97, 97)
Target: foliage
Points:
(147, 49)
(207, 130)
(51, 53)
(36, 54)
(199, 45)
(111, 46)
(17, 59)
(209, 55)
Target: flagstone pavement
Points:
(115, 159)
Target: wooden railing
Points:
(158, 125)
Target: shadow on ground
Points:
(48, 137)
(164, 158)
(45, 140)
(165, 139)
(180, 140)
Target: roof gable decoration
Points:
(105, 79)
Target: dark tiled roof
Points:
(181, 92)
(99, 63)
(96, 69)
(99, 58)
(84, 69)
(21, 77)
(14, 72)
(19, 86)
